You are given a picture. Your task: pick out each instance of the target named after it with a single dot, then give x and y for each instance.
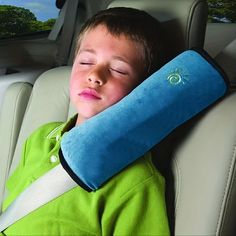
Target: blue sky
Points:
(42, 9)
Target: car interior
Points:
(197, 159)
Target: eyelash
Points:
(111, 69)
(118, 71)
(86, 63)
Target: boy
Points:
(117, 49)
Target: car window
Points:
(222, 11)
(19, 18)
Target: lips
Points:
(89, 94)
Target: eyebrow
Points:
(87, 50)
(122, 59)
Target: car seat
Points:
(198, 160)
(12, 112)
(227, 58)
(184, 21)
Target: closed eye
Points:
(118, 71)
(85, 63)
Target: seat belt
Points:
(46, 188)
(67, 32)
(58, 24)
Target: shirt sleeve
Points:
(142, 211)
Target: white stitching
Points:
(178, 185)
(54, 131)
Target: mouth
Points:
(89, 94)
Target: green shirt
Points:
(131, 203)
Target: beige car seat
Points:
(184, 21)
(227, 59)
(12, 112)
(198, 160)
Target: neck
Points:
(80, 120)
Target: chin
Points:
(89, 114)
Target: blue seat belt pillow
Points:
(105, 144)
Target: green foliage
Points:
(15, 21)
(222, 11)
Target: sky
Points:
(42, 9)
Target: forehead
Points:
(102, 29)
(100, 37)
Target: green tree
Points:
(47, 25)
(223, 10)
(17, 21)
(14, 20)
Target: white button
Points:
(53, 159)
(57, 137)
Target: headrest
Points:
(183, 20)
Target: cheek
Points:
(74, 86)
(119, 92)
(76, 79)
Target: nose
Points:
(95, 80)
(97, 76)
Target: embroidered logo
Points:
(176, 77)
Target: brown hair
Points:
(137, 25)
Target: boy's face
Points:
(106, 69)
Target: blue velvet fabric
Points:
(109, 141)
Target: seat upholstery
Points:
(184, 21)
(198, 160)
(12, 113)
(18, 75)
(227, 59)
(49, 102)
